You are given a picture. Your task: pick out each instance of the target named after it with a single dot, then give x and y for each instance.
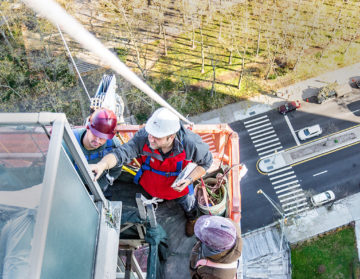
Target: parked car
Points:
(289, 106)
(356, 83)
(333, 90)
(309, 132)
(322, 198)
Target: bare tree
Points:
(202, 50)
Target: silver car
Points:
(309, 132)
(322, 198)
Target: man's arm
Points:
(108, 162)
(121, 154)
(198, 152)
(194, 175)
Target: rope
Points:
(72, 60)
(56, 14)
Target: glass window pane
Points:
(23, 151)
(71, 239)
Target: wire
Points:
(56, 14)
(72, 60)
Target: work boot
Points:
(189, 227)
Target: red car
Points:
(289, 106)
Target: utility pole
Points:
(283, 219)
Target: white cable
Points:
(56, 14)
(72, 60)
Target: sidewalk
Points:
(263, 103)
(321, 219)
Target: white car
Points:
(322, 198)
(309, 132)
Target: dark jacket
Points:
(227, 256)
(196, 150)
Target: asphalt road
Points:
(338, 171)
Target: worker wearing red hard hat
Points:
(216, 253)
(97, 140)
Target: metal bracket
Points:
(146, 209)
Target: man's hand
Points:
(98, 169)
(182, 184)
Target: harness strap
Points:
(216, 265)
(146, 167)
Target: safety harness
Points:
(146, 167)
(205, 262)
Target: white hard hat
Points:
(162, 123)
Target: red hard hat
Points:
(103, 123)
(215, 232)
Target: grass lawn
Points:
(331, 256)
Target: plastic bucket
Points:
(217, 209)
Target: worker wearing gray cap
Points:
(216, 254)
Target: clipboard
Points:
(184, 173)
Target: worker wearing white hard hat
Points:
(164, 148)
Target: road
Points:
(264, 134)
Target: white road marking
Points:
(266, 147)
(262, 139)
(355, 110)
(269, 151)
(263, 143)
(293, 202)
(258, 127)
(291, 129)
(287, 184)
(293, 197)
(290, 193)
(280, 170)
(258, 132)
(316, 174)
(297, 211)
(264, 134)
(257, 123)
(282, 180)
(296, 206)
(281, 175)
(253, 120)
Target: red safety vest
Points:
(156, 176)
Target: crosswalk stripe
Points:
(281, 180)
(293, 202)
(259, 127)
(297, 211)
(271, 150)
(264, 134)
(290, 193)
(255, 119)
(263, 143)
(281, 175)
(297, 206)
(288, 188)
(266, 147)
(293, 197)
(247, 126)
(262, 139)
(258, 132)
(280, 170)
(287, 184)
